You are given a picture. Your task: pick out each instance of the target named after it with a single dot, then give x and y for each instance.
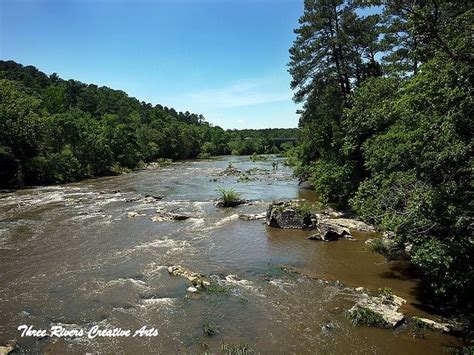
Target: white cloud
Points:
(256, 103)
(239, 94)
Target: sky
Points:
(225, 59)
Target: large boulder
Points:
(378, 311)
(288, 214)
(445, 325)
(431, 324)
(350, 223)
(329, 232)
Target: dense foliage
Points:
(386, 125)
(53, 130)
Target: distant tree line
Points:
(54, 130)
(387, 122)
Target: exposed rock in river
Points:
(192, 289)
(133, 214)
(230, 170)
(252, 217)
(381, 311)
(196, 279)
(431, 324)
(232, 203)
(288, 214)
(350, 224)
(168, 216)
(327, 231)
(155, 197)
(8, 348)
(145, 199)
(446, 326)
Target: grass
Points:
(303, 210)
(237, 349)
(364, 316)
(210, 329)
(386, 292)
(228, 196)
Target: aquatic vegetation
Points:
(237, 349)
(419, 328)
(218, 289)
(228, 197)
(303, 209)
(245, 178)
(210, 329)
(386, 292)
(377, 245)
(364, 316)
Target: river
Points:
(71, 256)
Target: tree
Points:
(19, 126)
(397, 146)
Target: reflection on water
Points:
(71, 256)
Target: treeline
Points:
(54, 130)
(386, 124)
(260, 141)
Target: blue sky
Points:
(226, 59)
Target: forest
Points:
(386, 126)
(55, 131)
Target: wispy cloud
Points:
(239, 94)
(252, 103)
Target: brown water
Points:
(70, 256)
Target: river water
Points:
(70, 256)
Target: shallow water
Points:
(69, 255)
